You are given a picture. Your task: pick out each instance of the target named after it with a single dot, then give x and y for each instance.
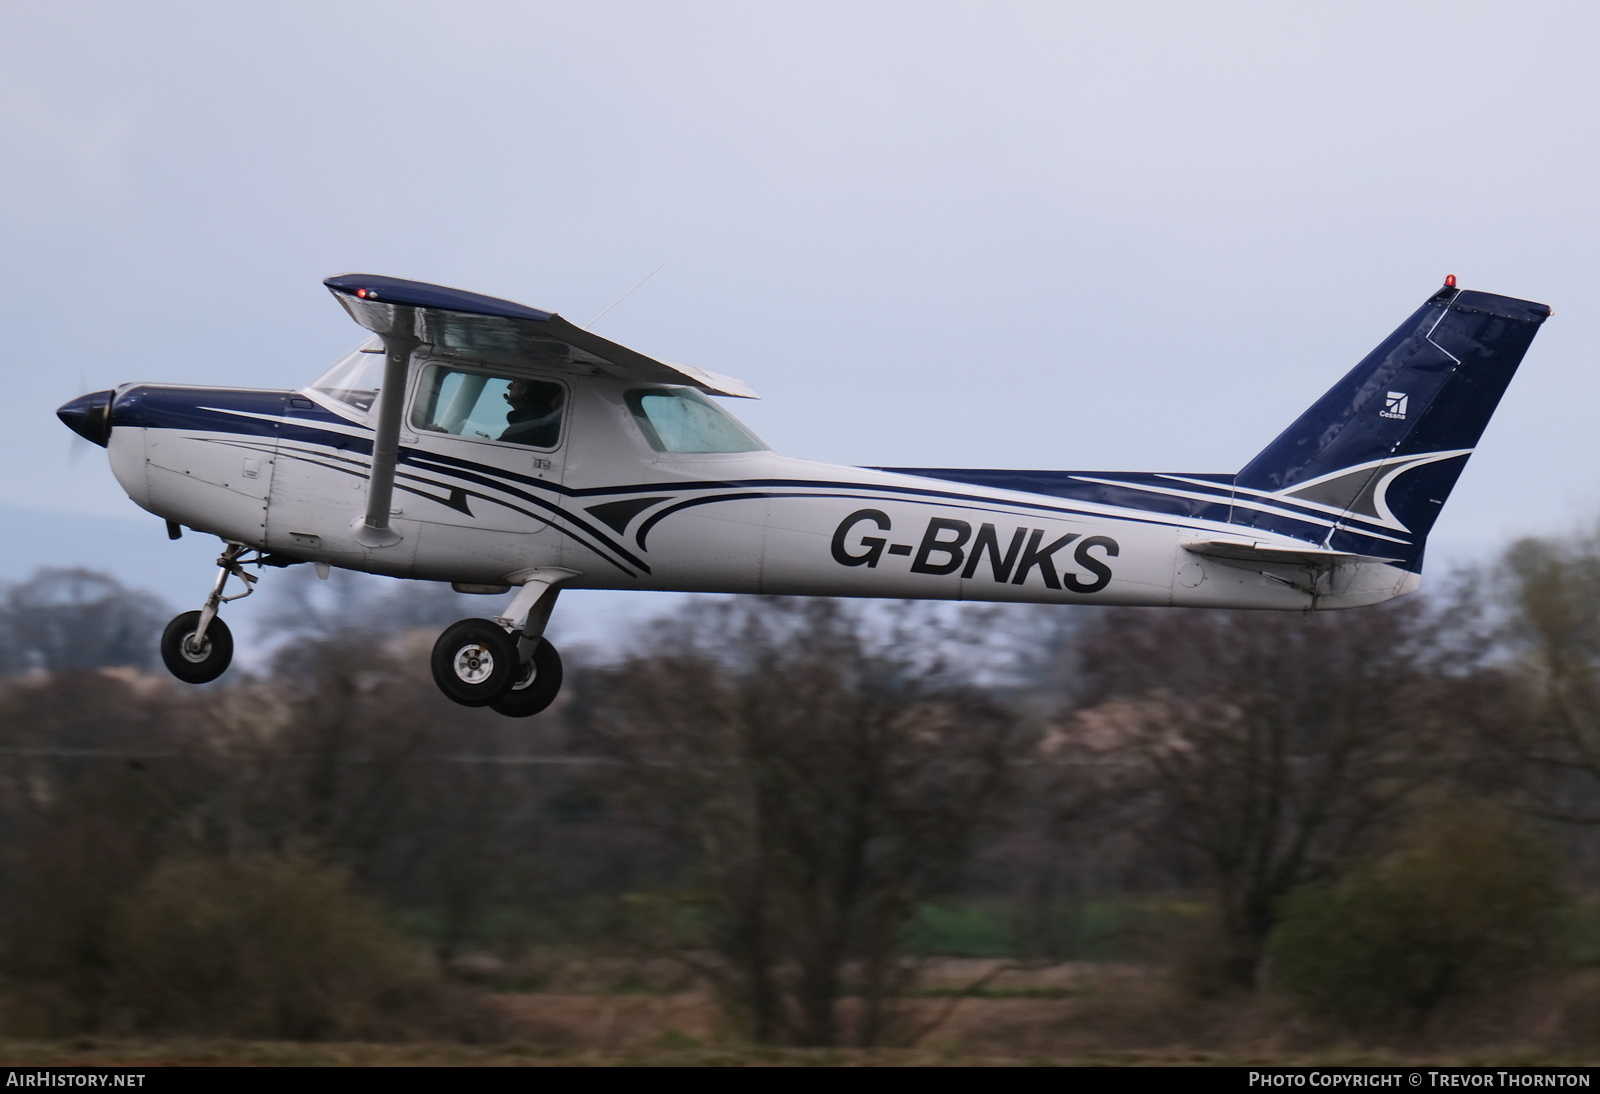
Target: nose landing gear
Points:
(197, 647)
(505, 664)
(193, 656)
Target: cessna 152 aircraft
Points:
(498, 447)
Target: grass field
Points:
(617, 1013)
(85, 1052)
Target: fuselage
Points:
(481, 442)
(286, 472)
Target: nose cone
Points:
(89, 416)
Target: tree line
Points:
(776, 791)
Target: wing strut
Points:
(398, 344)
(408, 314)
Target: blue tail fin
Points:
(1378, 454)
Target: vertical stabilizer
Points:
(1374, 459)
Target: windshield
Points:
(356, 378)
(680, 419)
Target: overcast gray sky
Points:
(1139, 236)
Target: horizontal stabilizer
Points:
(499, 331)
(1308, 555)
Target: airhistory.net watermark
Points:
(72, 1078)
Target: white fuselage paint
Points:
(484, 512)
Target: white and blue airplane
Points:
(498, 447)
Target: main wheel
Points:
(474, 662)
(536, 688)
(196, 665)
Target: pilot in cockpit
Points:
(535, 417)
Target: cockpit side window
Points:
(355, 379)
(680, 419)
(489, 408)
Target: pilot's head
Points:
(533, 395)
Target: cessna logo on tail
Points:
(1394, 406)
(949, 545)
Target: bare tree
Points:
(1550, 596)
(86, 809)
(76, 619)
(299, 606)
(826, 765)
(1262, 747)
(350, 754)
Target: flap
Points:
(483, 328)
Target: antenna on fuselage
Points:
(623, 297)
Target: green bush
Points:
(259, 947)
(1466, 902)
(966, 930)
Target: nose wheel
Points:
(193, 657)
(197, 647)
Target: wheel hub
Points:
(474, 664)
(195, 652)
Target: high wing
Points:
(499, 331)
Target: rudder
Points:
(1380, 452)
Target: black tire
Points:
(201, 667)
(474, 662)
(536, 688)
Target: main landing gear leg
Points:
(506, 665)
(197, 647)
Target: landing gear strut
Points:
(505, 664)
(197, 647)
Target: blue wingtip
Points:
(420, 294)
